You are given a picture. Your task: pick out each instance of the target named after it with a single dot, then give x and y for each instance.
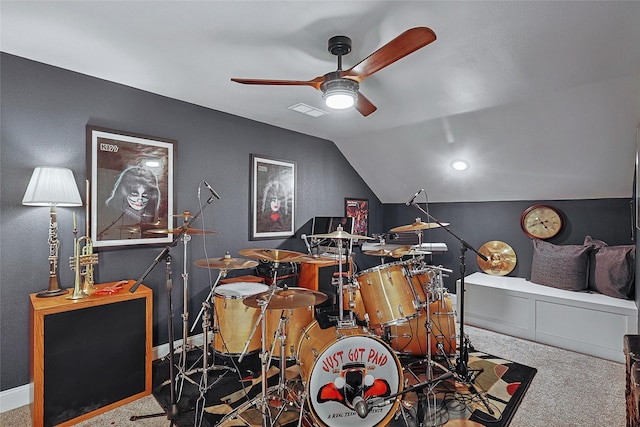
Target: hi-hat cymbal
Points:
(190, 230)
(286, 298)
(418, 225)
(407, 251)
(185, 214)
(273, 255)
(226, 263)
(502, 258)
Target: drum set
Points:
(352, 357)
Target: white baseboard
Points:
(23, 395)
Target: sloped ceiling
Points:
(541, 98)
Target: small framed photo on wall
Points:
(358, 209)
(131, 180)
(273, 194)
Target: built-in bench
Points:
(589, 323)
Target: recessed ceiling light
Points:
(459, 165)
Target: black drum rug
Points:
(232, 393)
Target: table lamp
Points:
(52, 186)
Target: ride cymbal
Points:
(226, 263)
(501, 258)
(190, 230)
(418, 225)
(286, 298)
(273, 255)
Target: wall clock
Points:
(541, 221)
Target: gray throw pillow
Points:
(612, 269)
(560, 266)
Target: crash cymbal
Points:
(407, 251)
(502, 258)
(273, 255)
(380, 252)
(341, 234)
(286, 298)
(418, 225)
(190, 230)
(226, 263)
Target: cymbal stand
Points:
(164, 254)
(462, 371)
(185, 347)
(341, 322)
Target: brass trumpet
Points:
(82, 263)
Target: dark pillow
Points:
(612, 271)
(560, 266)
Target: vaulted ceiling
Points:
(542, 99)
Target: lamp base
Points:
(52, 293)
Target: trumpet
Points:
(82, 263)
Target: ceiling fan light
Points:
(340, 94)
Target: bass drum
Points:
(410, 337)
(339, 366)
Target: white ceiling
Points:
(541, 98)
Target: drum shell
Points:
(410, 337)
(234, 319)
(387, 294)
(298, 319)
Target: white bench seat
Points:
(589, 323)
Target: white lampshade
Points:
(52, 186)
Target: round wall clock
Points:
(541, 221)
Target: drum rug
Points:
(229, 393)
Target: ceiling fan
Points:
(340, 88)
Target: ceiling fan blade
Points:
(364, 106)
(315, 83)
(406, 43)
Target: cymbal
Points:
(185, 214)
(418, 225)
(341, 234)
(502, 258)
(226, 263)
(380, 252)
(273, 255)
(286, 298)
(190, 230)
(407, 251)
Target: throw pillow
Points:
(560, 266)
(611, 269)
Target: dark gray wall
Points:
(44, 114)
(476, 223)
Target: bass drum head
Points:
(354, 364)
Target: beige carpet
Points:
(569, 390)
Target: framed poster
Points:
(358, 209)
(272, 198)
(131, 178)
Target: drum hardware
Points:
(338, 236)
(463, 373)
(173, 412)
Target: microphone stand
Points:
(462, 368)
(174, 411)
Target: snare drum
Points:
(235, 320)
(387, 294)
(296, 320)
(340, 365)
(410, 337)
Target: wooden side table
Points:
(91, 355)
